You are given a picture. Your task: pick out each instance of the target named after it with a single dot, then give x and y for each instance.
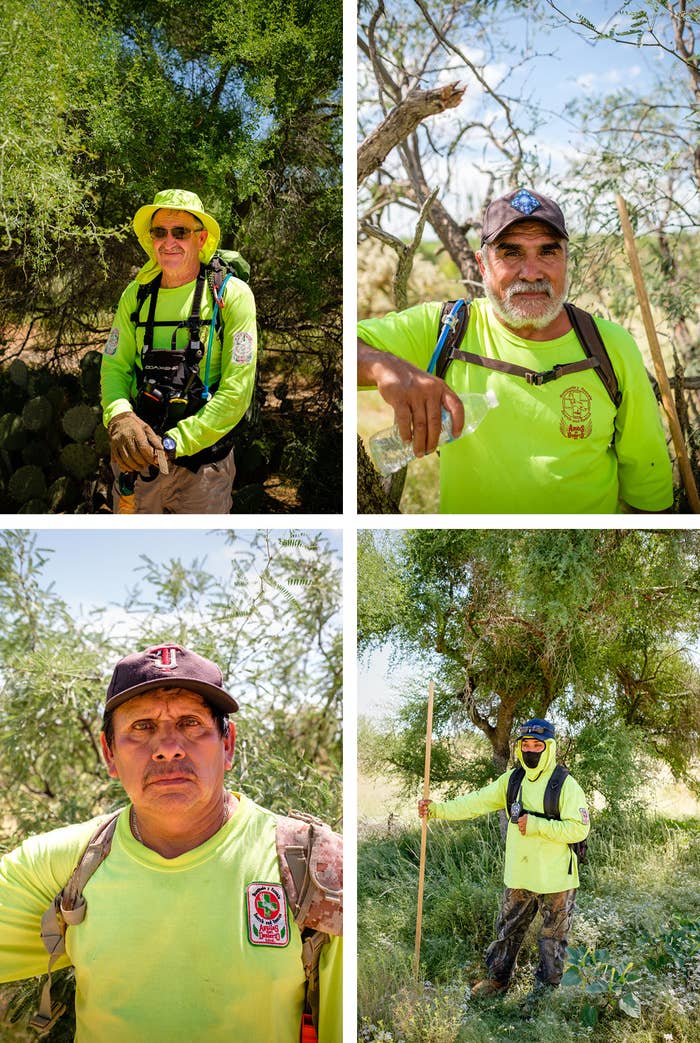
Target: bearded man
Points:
(563, 440)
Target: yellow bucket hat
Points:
(173, 199)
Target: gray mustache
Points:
(541, 286)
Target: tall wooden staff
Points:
(424, 831)
(655, 349)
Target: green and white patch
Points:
(242, 347)
(112, 341)
(267, 915)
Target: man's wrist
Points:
(371, 363)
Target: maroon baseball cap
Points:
(168, 666)
(522, 205)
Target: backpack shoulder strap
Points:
(310, 857)
(67, 909)
(552, 792)
(592, 343)
(516, 777)
(454, 319)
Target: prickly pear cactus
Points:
(101, 440)
(80, 460)
(19, 374)
(12, 433)
(28, 483)
(37, 413)
(63, 494)
(80, 422)
(33, 507)
(90, 365)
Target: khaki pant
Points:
(207, 491)
(518, 910)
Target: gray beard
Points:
(510, 315)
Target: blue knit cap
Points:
(536, 729)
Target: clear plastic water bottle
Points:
(390, 453)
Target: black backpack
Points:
(551, 804)
(453, 326)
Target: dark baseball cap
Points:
(537, 728)
(168, 666)
(522, 205)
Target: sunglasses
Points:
(177, 233)
(536, 730)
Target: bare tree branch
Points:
(402, 121)
(405, 251)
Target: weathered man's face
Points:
(525, 275)
(178, 257)
(167, 751)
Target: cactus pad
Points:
(79, 460)
(27, 483)
(37, 414)
(79, 423)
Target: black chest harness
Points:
(169, 387)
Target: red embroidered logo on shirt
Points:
(267, 914)
(576, 413)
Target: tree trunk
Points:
(371, 497)
(450, 234)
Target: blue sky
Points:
(93, 567)
(563, 64)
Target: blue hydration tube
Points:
(217, 300)
(448, 324)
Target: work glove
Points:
(133, 443)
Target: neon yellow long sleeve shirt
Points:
(540, 860)
(232, 365)
(165, 953)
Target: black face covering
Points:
(532, 759)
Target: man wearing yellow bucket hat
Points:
(178, 367)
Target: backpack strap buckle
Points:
(538, 379)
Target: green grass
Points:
(643, 875)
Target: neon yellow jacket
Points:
(538, 861)
(561, 448)
(232, 365)
(164, 954)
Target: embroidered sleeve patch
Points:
(584, 816)
(267, 915)
(242, 347)
(112, 342)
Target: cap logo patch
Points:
(525, 202)
(165, 656)
(267, 915)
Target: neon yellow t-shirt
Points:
(164, 954)
(540, 860)
(231, 367)
(559, 448)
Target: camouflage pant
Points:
(517, 913)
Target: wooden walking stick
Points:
(424, 831)
(657, 358)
